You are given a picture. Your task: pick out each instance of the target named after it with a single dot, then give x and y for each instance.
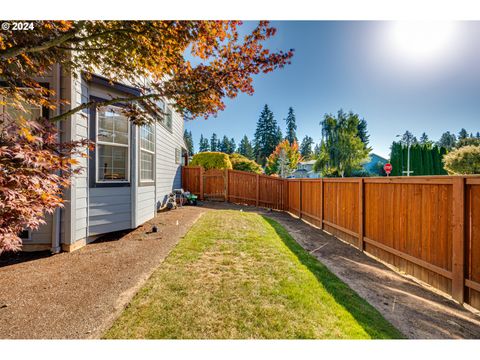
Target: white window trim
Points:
(97, 142)
(147, 151)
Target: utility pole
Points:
(408, 172)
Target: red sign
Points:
(388, 168)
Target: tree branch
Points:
(17, 50)
(94, 103)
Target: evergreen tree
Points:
(316, 151)
(266, 136)
(342, 150)
(224, 145)
(291, 135)
(187, 136)
(214, 143)
(233, 146)
(478, 135)
(424, 140)
(463, 134)
(245, 148)
(408, 138)
(424, 159)
(203, 145)
(447, 140)
(362, 131)
(306, 147)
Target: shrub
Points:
(242, 163)
(211, 160)
(463, 161)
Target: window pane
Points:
(112, 162)
(112, 126)
(33, 112)
(146, 166)
(147, 138)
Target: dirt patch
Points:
(418, 311)
(79, 294)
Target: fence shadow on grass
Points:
(365, 314)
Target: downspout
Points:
(56, 230)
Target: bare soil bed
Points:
(79, 294)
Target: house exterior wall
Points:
(168, 172)
(90, 210)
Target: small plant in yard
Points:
(240, 275)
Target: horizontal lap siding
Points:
(80, 94)
(168, 173)
(110, 210)
(145, 203)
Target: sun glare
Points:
(422, 42)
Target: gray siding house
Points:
(128, 176)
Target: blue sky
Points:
(428, 82)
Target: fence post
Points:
(300, 202)
(321, 203)
(361, 204)
(257, 191)
(286, 206)
(201, 183)
(458, 239)
(226, 185)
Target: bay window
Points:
(113, 145)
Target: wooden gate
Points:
(214, 185)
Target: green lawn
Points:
(239, 275)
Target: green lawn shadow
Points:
(366, 315)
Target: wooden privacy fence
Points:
(428, 227)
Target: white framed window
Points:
(113, 145)
(33, 112)
(166, 119)
(147, 152)
(178, 155)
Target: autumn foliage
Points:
(34, 170)
(284, 159)
(194, 64)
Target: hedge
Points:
(242, 163)
(211, 160)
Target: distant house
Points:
(126, 178)
(305, 168)
(376, 162)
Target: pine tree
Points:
(187, 136)
(408, 138)
(203, 144)
(214, 143)
(291, 135)
(306, 147)
(424, 140)
(233, 146)
(447, 140)
(224, 145)
(478, 135)
(362, 130)
(266, 136)
(245, 148)
(463, 134)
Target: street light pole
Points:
(408, 157)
